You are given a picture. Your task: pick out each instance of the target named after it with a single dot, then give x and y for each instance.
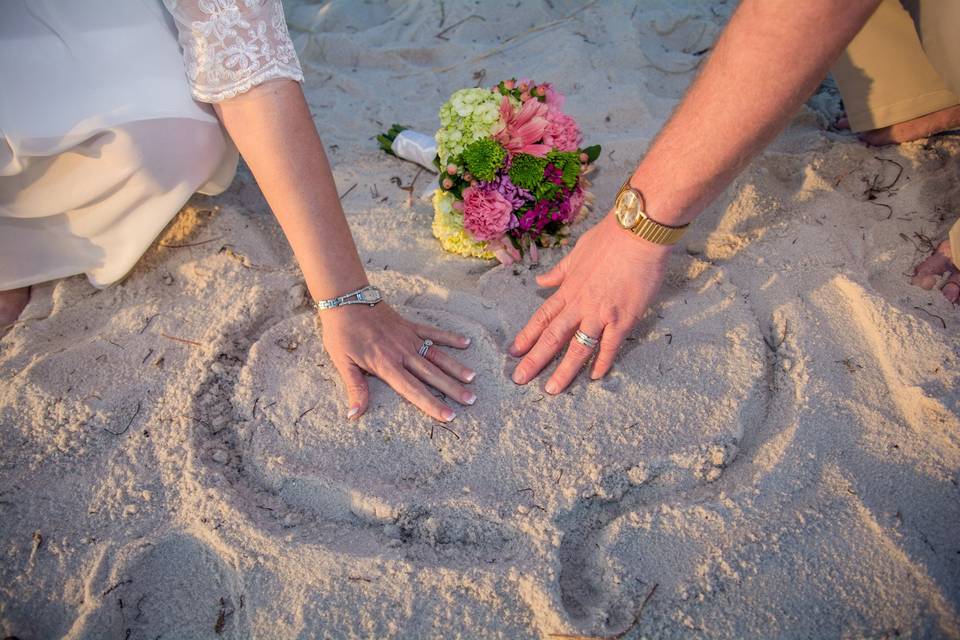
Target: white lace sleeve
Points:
(230, 46)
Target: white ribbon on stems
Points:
(416, 147)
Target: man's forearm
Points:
(766, 63)
(274, 131)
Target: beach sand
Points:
(776, 454)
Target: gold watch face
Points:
(629, 211)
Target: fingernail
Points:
(467, 341)
(449, 415)
(471, 375)
(551, 387)
(352, 412)
(519, 378)
(512, 350)
(470, 398)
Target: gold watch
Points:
(629, 207)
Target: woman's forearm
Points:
(274, 131)
(768, 60)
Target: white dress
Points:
(104, 130)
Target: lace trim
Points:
(230, 46)
(220, 93)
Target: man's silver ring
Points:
(587, 341)
(425, 347)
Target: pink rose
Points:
(562, 132)
(486, 213)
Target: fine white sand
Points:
(775, 455)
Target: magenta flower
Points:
(522, 130)
(486, 213)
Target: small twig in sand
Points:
(559, 475)
(446, 428)
(136, 412)
(409, 188)
(183, 340)
(347, 192)
(147, 322)
(506, 43)
(297, 421)
(189, 244)
(222, 616)
(442, 34)
(942, 321)
(116, 586)
(146, 357)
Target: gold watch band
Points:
(647, 228)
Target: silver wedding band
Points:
(587, 341)
(425, 347)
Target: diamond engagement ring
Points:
(422, 351)
(587, 341)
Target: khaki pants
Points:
(903, 64)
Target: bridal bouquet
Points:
(512, 170)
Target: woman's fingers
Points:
(553, 338)
(450, 365)
(441, 336)
(404, 383)
(576, 357)
(432, 375)
(537, 324)
(358, 395)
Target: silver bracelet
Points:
(368, 295)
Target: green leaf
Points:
(386, 139)
(592, 153)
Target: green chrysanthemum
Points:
(483, 158)
(527, 171)
(569, 164)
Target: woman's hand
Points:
(378, 341)
(605, 285)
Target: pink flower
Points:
(504, 251)
(486, 213)
(522, 130)
(554, 98)
(561, 131)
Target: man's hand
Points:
(605, 285)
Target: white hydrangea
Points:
(469, 114)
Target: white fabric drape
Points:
(101, 138)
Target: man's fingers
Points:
(404, 383)
(358, 395)
(441, 336)
(554, 277)
(432, 375)
(538, 322)
(613, 337)
(552, 339)
(576, 357)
